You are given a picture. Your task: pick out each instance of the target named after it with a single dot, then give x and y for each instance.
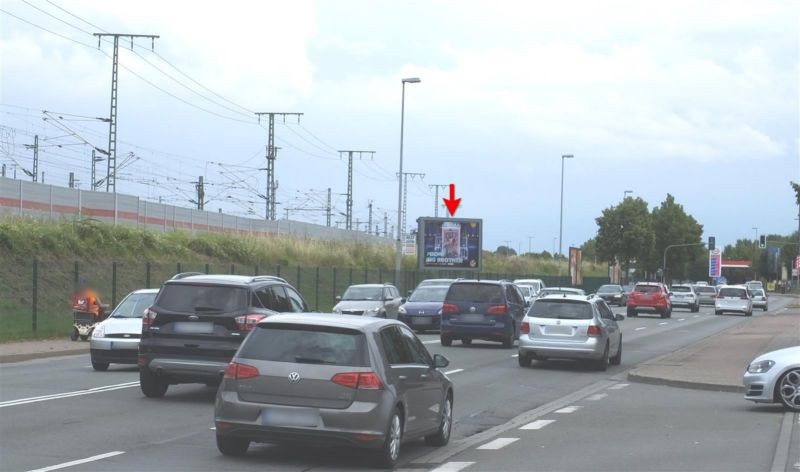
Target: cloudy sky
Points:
(696, 99)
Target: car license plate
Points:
(558, 330)
(471, 318)
(296, 417)
(421, 320)
(191, 327)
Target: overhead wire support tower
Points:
(111, 179)
(359, 154)
(403, 215)
(436, 201)
(271, 156)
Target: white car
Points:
(528, 292)
(116, 339)
(735, 299)
(537, 284)
(760, 299)
(774, 377)
(684, 296)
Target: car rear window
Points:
(306, 344)
(647, 288)
(190, 298)
(561, 309)
(681, 288)
(732, 292)
(475, 293)
(702, 289)
(609, 289)
(428, 294)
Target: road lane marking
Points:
(663, 323)
(681, 319)
(514, 355)
(432, 341)
(538, 424)
(641, 328)
(454, 371)
(452, 466)
(696, 316)
(77, 393)
(568, 409)
(498, 443)
(619, 386)
(597, 396)
(79, 461)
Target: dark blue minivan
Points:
(423, 309)
(488, 310)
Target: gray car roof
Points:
(221, 279)
(361, 323)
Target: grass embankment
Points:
(70, 252)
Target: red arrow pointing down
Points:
(452, 202)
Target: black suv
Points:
(485, 309)
(198, 321)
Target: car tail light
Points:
(449, 309)
(525, 327)
(497, 310)
(148, 317)
(593, 331)
(358, 380)
(239, 371)
(248, 322)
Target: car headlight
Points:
(402, 310)
(617, 296)
(760, 367)
(372, 310)
(99, 332)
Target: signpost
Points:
(714, 263)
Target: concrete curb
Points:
(11, 358)
(646, 379)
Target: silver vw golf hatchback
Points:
(324, 379)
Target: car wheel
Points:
(99, 366)
(602, 364)
(524, 360)
(74, 335)
(390, 452)
(466, 341)
(749, 313)
(765, 308)
(617, 359)
(717, 312)
(508, 342)
(232, 446)
(664, 314)
(84, 337)
(632, 312)
(788, 390)
(442, 436)
(446, 341)
(151, 385)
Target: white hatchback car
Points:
(733, 298)
(774, 377)
(116, 339)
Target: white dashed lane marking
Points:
(619, 386)
(569, 409)
(538, 424)
(454, 371)
(597, 396)
(681, 319)
(514, 355)
(641, 328)
(452, 466)
(432, 341)
(663, 323)
(64, 465)
(498, 443)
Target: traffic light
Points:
(762, 241)
(711, 242)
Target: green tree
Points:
(625, 232)
(589, 250)
(505, 251)
(672, 225)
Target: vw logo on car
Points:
(294, 377)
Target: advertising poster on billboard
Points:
(575, 266)
(450, 243)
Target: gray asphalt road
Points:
(59, 410)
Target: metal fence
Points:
(35, 294)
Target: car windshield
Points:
(363, 293)
(609, 289)
(428, 282)
(561, 309)
(526, 290)
(681, 288)
(134, 305)
(475, 293)
(306, 344)
(732, 292)
(190, 298)
(647, 288)
(428, 294)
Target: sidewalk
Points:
(26, 350)
(719, 361)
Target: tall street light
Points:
(755, 253)
(561, 217)
(399, 249)
(625, 194)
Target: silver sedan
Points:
(774, 377)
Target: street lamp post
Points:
(625, 194)
(755, 253)
(561, 217)
(399, 247)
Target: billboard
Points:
(450, 243)
(575, 274)
(714, 263)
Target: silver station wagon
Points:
(324, 379)
(571, 327)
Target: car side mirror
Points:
(440, 362)
(402, 300)
(409, 292)
(619, 317)
(670, 294)
(338, 298)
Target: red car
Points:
(652, 297)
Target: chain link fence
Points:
(35, 295)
